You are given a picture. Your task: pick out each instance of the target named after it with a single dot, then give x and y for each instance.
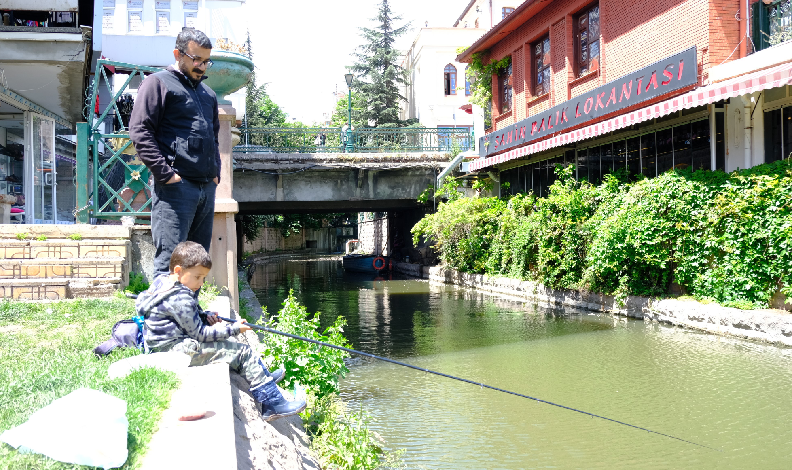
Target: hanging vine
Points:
(480, 76)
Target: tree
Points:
(377, 70)
(341, 111)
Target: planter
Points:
(230, 72)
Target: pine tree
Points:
(377, 70)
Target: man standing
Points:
(174, 126)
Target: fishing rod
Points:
(482, 385)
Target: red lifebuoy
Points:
(381, 266)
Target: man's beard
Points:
(186, 72)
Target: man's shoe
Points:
(278, 375)
(281, 408)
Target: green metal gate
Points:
(103, 192)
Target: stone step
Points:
(58, 289)
(63, 248)
(54, 268)
(65, 231)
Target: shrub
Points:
(342, 439)
(313, 366)
(722, 237)
(137, 283)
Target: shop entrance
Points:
(40, 169)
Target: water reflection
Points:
(722, 392)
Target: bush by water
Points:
(724, 237)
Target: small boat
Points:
(365, 263)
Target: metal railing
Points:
(111, 181)
(334, 140)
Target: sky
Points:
(301, 48)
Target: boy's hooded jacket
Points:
(172, 315)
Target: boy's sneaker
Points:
(281, 408)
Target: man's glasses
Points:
(197, 62)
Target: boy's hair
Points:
(189, 255)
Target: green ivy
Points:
(480, 76)
(721, 237)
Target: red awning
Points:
(758, 81)
(468, 108)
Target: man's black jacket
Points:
(175, 126)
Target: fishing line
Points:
(482, 385)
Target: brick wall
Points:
(633, 35)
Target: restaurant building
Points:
(645, 86)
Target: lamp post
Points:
(349, 147)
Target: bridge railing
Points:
(333, 139)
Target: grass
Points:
(46, 352)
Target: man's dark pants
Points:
(181, 211)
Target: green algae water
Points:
(732, 395)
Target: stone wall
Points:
(767, 325)
(373, 235)
(322, 240)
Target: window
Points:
(542, 70)
(778, 134)
(505, 89)
(449, 79)
(467, 82)
(587, 39)
(771, 23)
(506, 11)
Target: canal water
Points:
(731, 395)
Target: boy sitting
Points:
(173, 322)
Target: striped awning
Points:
(746, 84)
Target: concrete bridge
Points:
(267, 183)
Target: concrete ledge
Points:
(58, 282)
(414, 270)
(63, 231)
(109, 261)
(207, 443)
(769, 325)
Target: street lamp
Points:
(349, 147)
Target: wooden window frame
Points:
(467, 82)
(449, 80)
(587, 65)
(541, 89)
(505, 13)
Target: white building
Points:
(485, 14)
(438, 89)
(143, 32)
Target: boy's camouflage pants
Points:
(239, 357)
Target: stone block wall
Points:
(373, 235)
(323, 240)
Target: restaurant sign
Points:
(670, 74)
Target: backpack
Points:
(126, 333)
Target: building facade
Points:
(46, 48)
(485, 14)
(438, 91)
(143, 32)
(659, 85)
